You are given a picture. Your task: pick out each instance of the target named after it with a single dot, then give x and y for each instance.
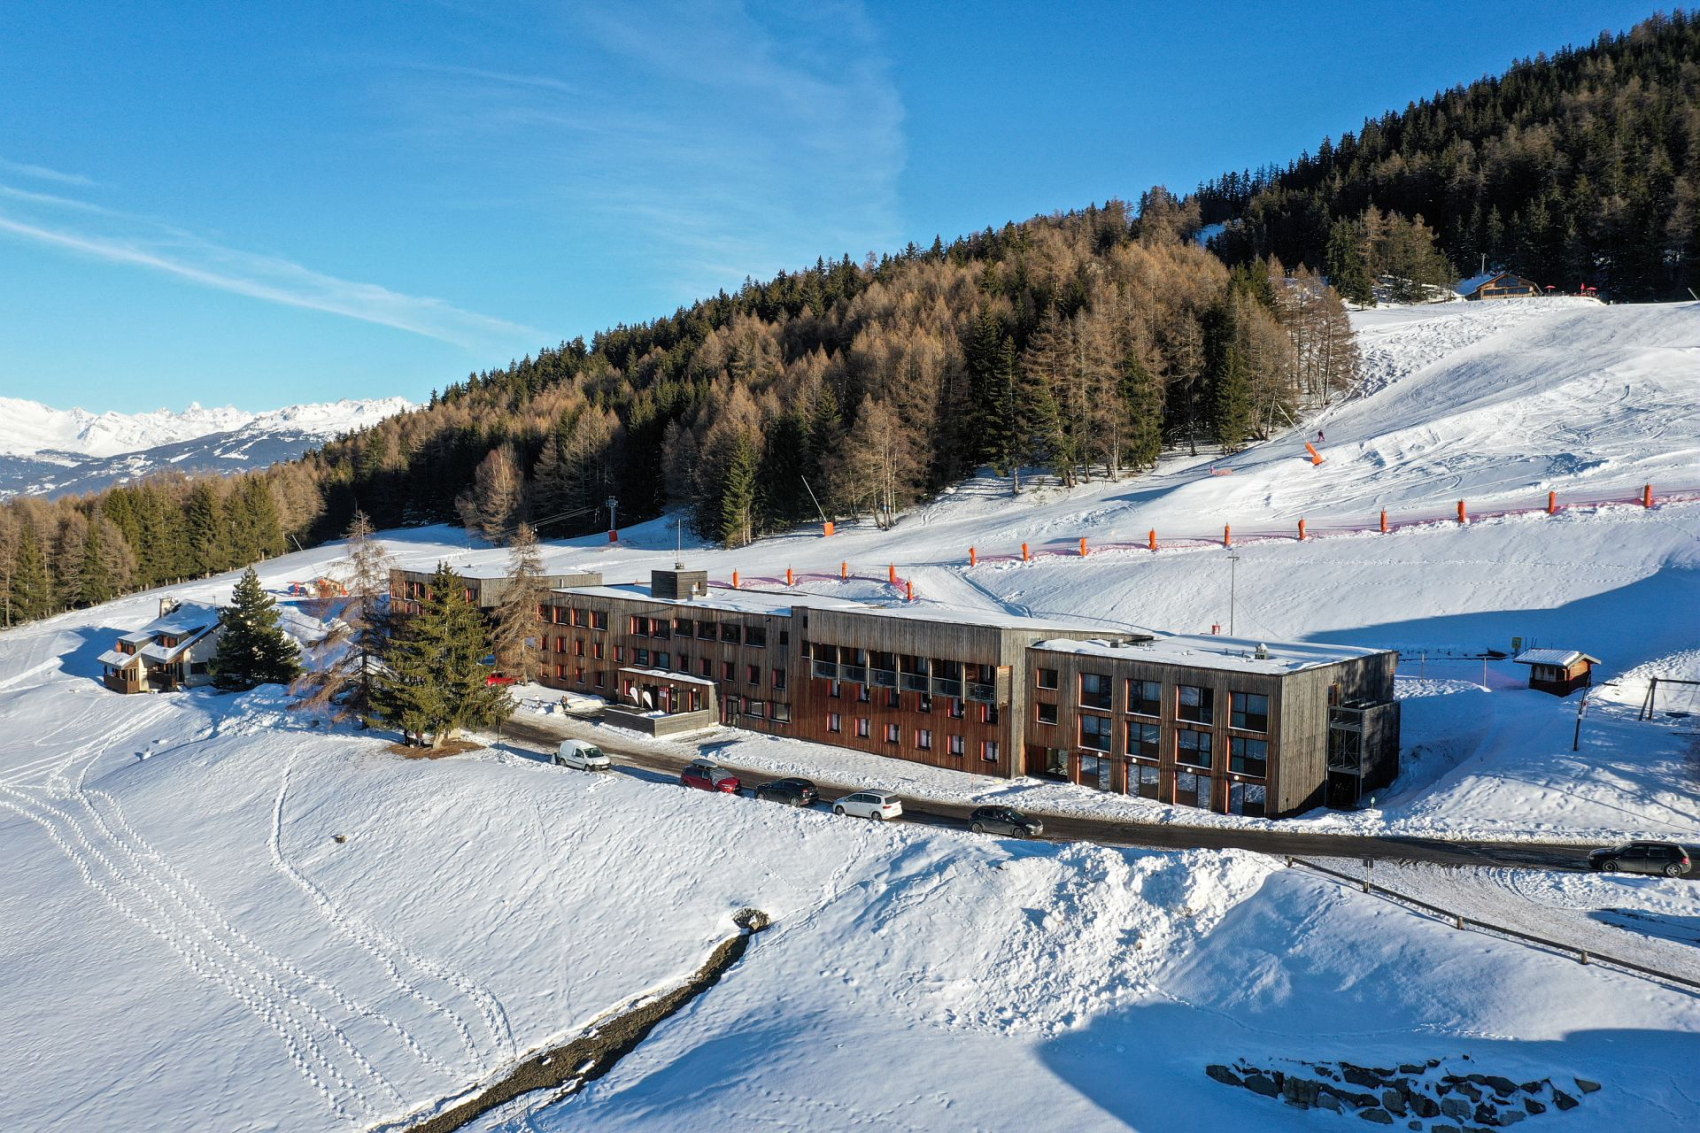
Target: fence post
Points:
(790, 578)
(909, 590)
(1458, 920)
(1152, 539)
(1647, 496)
(734, 580)
(891, 573)
(844, 571)
(1301, 531)
(1463, 516)
(1552, 503)
(1582, 955)
(1384, 521)
(1227, 536)
(1083, 546)
(1025, 556)
(973, 558)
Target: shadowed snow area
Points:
(220, 917)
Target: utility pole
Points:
(1233, 587)
(613, 523)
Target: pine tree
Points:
(32, 585)
(344, 665)
(1345, 265)
(516, 638)
(252, 647)
(738, 499)
(436, 679)
(209, 550)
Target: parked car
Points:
(705, 776)
(500, 679)
(581, 756)
(1667, 858)
(876, 805)
(1004, 820)
(792, 792)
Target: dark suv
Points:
(1004, 820)
(1667, 858)
(792, 792)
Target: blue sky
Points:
(224, 204)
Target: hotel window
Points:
(1095, 691)
(863, 694)
(989, 751)
(835, 690)
(1047, 713)
(639, 627)
(619, 654)
(1094, 732)
(662, 661)
(1047, 678)
(1249, 799)
(958, 746)
(707, 631)
(1144, 740)
(1145, 697)
(778, 678)
(924, 702)
(729, 632)
(641, 657)
(862, 726)
(561, 672)
(756, 636)
(728, 671)
(752, 674)
(956, 708)
(1143, 779)
(684, 663)
(834, 722)
(1195, 704)
(756, 708)
(893, 698)
(988, 714)
(658, 628)
(598, 680)
(1192, 790)
(597, 650)
(1250, 711)
(705, 666)
(599, 619)
(1248, 757)
(924, 739)
(781, 713)
(1192, 747)
(684, 627)
(893, 734)
(578, 676)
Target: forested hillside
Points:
(1581, 168)
(1077, 343)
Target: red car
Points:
(706, 776)
(495, 679)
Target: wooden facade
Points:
(1504, 286)
(410, 587)
(1224, 737)
(1558, 671)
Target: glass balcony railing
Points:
(884, 678)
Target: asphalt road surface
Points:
(545, 736)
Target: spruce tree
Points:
(208, 545)
(738, 500)
(252, 647)
(32, 585)
(435, 684)
(1345, 265)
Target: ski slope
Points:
(178, 899)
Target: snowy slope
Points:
(45, 451)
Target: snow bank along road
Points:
(545, 735)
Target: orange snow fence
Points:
(1384, 521)
(1151, 540)
(1301, 531)
(844, 571)
(1552, 503)
(973, 557)
(909, 590)
(1227, 536)
(790, 579)
(891, 573)
(1315, 457)
(734, 580)
(1025, 556)
(1083, 547)
(1463, 516)
(1647, 496)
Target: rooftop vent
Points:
(1261, 652)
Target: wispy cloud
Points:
(125, 238)
(715, 141)
(42, 173)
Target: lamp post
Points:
(1233, 587)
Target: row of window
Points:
(1246, 756)
(1192, 789)
(922, 738)
(954, 706)
(730, 633)
(1249, 711)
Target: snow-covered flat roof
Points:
(1001, 619)
(1210, 651)
(1564, 658)
(730, 601)
(140, 637)
(118, 659)
(669, 675)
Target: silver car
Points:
(877, 805)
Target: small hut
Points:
(1558, 671)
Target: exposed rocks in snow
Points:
(1429, 1096)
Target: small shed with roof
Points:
(1558, 671)
(1498, 285)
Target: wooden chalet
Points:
(1558, 671)
(1499, 285)
(173, 651)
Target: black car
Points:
(1004, 820)
(792, 792)
(1667, 858)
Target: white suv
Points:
(877, 805)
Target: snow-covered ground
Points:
(187, 943)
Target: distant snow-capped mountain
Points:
(51, 452)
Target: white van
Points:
(582, 756)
